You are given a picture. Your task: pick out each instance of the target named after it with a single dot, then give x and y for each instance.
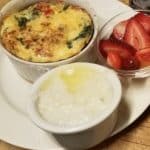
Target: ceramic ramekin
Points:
(31, 71)
(92, 132)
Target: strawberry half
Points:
(114, 60)
(122, 48)
(144, 19)
(144, 57)
(119, 30)
(136, 35)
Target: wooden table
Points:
(135, 137)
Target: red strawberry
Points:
(131, 63)
(119, 30)
(114, 60)
(102, 49)
(144, 19)
(136, 35)
(144, 57)
(122, 48)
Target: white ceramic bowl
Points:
(85, 133)
(31, 71)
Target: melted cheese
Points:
(46, 32)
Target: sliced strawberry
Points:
(144, 19)
(119, 30)
(122, 48)
(144, 57)
(131, 63)
(114, 60)
(102, 49)
(136, 35)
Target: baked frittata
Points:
(47, 32)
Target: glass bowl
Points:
(106, 32)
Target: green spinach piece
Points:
(66, 6)
(22, 21)
(69, 44)
(87, 30)
(35, 13)
(20, 40)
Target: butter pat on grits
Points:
(47, 32)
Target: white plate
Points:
(17, 129)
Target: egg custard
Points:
(47, 32)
